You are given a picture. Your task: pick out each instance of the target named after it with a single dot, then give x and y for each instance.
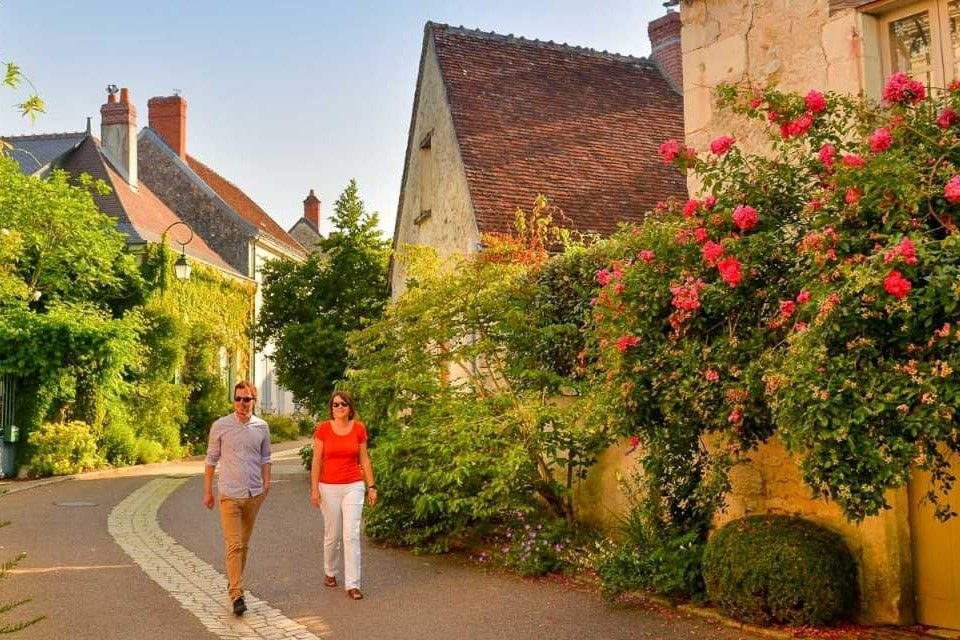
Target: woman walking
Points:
(341, 464)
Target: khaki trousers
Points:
(237, 516)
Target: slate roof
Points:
(34, 152)
(140, 215)
(245, 206)
(578, 125)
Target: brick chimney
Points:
(664, 33)
(118, 134)
(311, 209)
(167, 116)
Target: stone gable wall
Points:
(166, 179)
(303, 233)
(451, 228)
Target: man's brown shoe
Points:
(329, 581)
(354, 594)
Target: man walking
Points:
(240, 442)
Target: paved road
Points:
(146, 563)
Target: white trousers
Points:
(342, 506)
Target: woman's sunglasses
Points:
(336, 404)
(243, 399)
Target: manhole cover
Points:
(76, 503)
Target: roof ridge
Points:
(549, 44)
(46, 136)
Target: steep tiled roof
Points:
(140, 215)
(244, 206)
(578, 125)
(37, 151)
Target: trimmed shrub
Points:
(63, 448)
(119, 444)
(780, 570)
(149, 451)
(306, 425)
(282, 428)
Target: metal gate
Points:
(9, 433)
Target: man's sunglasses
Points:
(244, 399)
(338, 404)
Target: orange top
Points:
(341, 454)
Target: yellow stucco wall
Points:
(451, 228)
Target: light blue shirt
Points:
(242, 450)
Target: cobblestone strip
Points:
(198, 587)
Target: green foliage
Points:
(118, 444)
(457, 378)
(6, 607)
(63, 449)
(306, 425)
(306, 456)
(149, 451)
(782, 570)
(309, 308)
(13, 78)
(282, 428)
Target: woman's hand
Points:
(372, 496)
(315, 497)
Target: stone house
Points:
(141, 216)
(229, 220)
(909, 563)
(498, 119)
(306, 230)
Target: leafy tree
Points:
(461, 378)
(309, 308)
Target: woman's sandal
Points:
(354, 594)
(329, 581)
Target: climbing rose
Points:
(947, 118)
(816, 103)
(852, 196)
(625, 342)
(687, 296)
(712, 252)
(803, 297)
(709, 202)
(701, 235)
(690, 208)
(827, 154)
(787, 308)
(603, 277)
(711, 375)
(896, 285)
(646, 255)
(721, 145)
(745, 217)
(880, 140)
(670, 151)
(730, 271)
(735, 417)
(952, 191)
(901, 89)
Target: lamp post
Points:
(181, 267)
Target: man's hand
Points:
(208, 499)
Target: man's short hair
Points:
(244, 384)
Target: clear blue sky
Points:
(283, 96)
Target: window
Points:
(426, 178)
(922, 40)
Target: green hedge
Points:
(282, 428)
(63, 448)
(780, 570)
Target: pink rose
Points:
(803, 297)
(730, 271)
(721, 145)
(880, 140)
(670, 151)
(701, 235)
(625, 342)
(711, 375)
(787, 308)
(896, 285)
(690, 208)
(947, 118)
(816, 103)
(711, 252)
(603, 277)
(852, 196)
(828, 154)
(745, 217)
(952, 190)
(646, 255)
(901, 89)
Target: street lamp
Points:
(181, 267)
